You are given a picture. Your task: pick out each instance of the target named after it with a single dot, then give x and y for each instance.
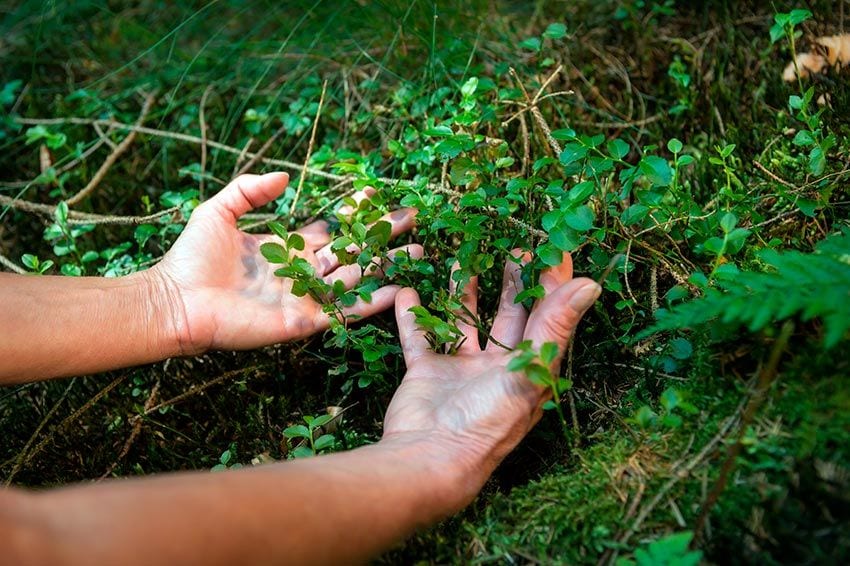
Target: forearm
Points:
(343, 508)
(61, 326)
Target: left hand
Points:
(223, 292)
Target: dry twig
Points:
(119, 150)
(309, 149)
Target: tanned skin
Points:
(450, 423)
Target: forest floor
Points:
(655, 136)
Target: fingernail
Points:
(585, 297)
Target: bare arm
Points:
(453, 419)
(213, 289)
(341, 508)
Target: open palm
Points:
(469, 402)
(227, 291)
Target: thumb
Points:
(558, 314)
(247, 192)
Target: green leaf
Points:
(469, 87)
(573, 152)
(579, 219)
(9, 92)
(278, 229)
(817, 161)
(714, 245)
(536, 292)
(438, 131)
(807, 206)
(61, 213)
(549, 254)
(548, 353)
(475, 198)
(656, 170)
(728, 222)
(564, 134)
(798, 16)
(581, 192)
(519, 362)
(563, 238)
(297, 431)
(727, 150)
(321, 420)
(634, 214)
(617, 148)
(532, 43)
(681, 349)
(295, 241)
(804, 138)
(324, 442)
(674, 145)
(539, 375)
(379, 233)
(274, 253)
(30, 261)
(555, 31)
(795, 102)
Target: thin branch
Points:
(309, 148)
(261, 152)
(75, 217)
(203, 123)
(766, 378)
(11, 265)
(27, 458)
(113, 157)
(195, 389)
(134, 433)
(44, 422)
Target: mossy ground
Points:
(257, 69)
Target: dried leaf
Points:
(45, 160)
(832, 50)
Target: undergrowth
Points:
(654, 140)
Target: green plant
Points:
(784, 25)
(809, 285)
(535, 365)
(813, 135)
(673, 405)
(669, 550)
(35, 265)
(311, 436)
(224, 461)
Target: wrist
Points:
(161, 303)
(453, 473)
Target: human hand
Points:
(223, 293)
(467, 411)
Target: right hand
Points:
(467, 410)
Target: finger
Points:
(315, 234)
(468, 313)
(400, 220)
(509, 325)
(244, 193)
(554, 277)
(381, 300)
(414, 343)
(559, 313)
(350, 275)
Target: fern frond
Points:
(813, 285)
